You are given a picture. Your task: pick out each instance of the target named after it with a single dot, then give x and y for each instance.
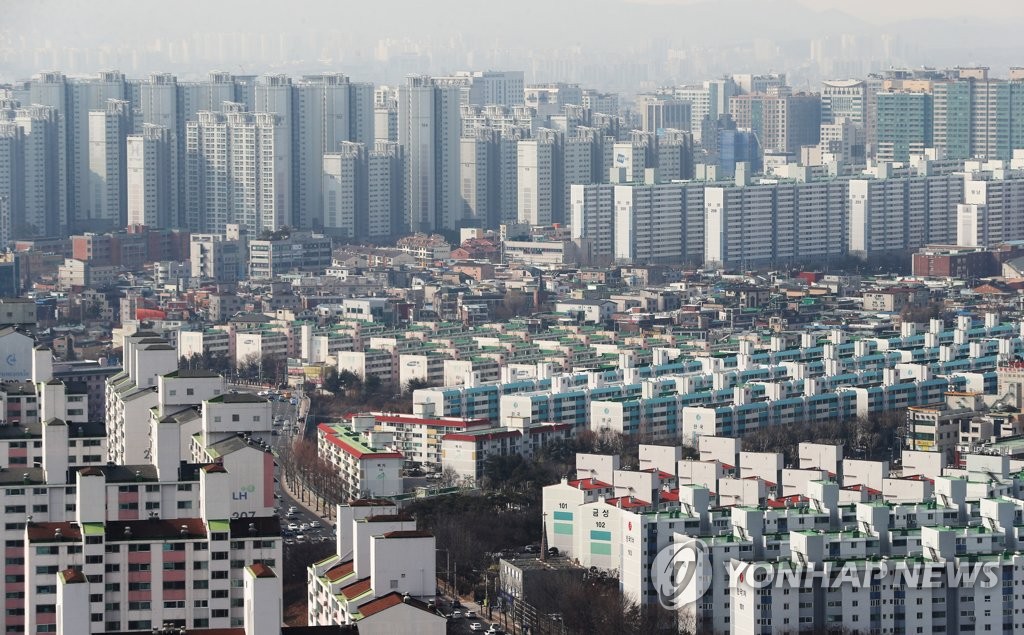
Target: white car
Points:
(476, 626)
(315, 524)
(293, 527)
(304, 527)
(456, 614)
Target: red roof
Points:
(661, 474)
(48, 532)
(73, 576)
(627, 502)
(766, 481)
(261, 570)
(356, 589)
(780, 503)
(385, 602)
(918, 477)
(408, 534)
(549, 427)
(670, 495)
(863, 488)
(337, 572)
(589, 483)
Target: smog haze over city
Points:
(618, 45)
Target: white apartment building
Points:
(993, 203)
(618, 521)
(465, 452)
(381, 576)
(108, 131)
(536, 182)
(417, 438)
(651, 224)
(152, 194)
(72, 513)
(131, 394)
(238, 170)
(379, 363)
(365, 470)
(428, 131)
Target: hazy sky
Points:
(883, 11)
(383, 39)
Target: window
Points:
(139, 586)
(138, 606)
(138, 566)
